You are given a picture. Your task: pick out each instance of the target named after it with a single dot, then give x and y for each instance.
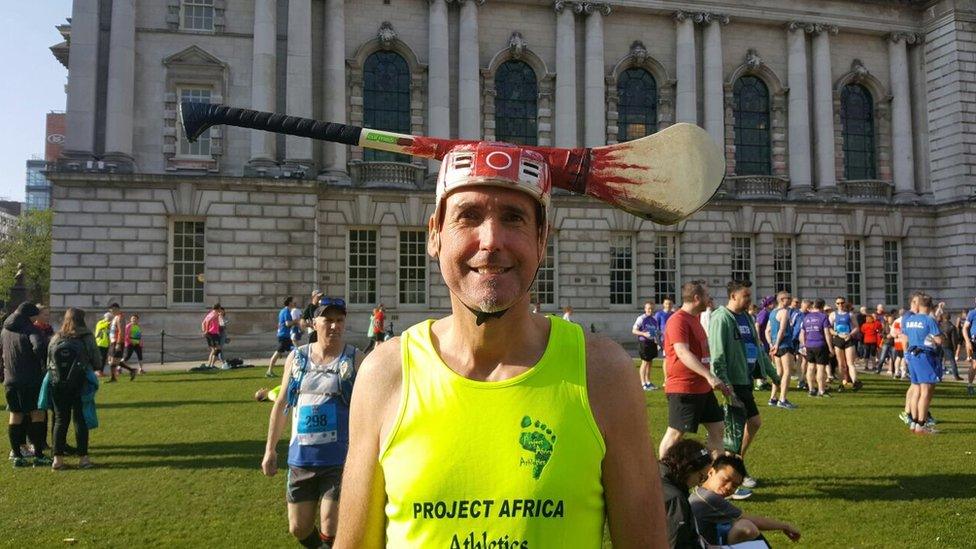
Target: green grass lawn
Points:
(178, 459)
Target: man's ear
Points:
(433, 238)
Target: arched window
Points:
(857, 120)
(516, 104)
(637, 106)
(750, 105)
(386, 99)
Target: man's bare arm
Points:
(375, 401)
(631, 482)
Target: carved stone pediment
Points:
(517, 44)
(194, 55)
(386, 35)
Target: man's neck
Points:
(734, 310)
(518, 338)
(690, 308)
(328, 346)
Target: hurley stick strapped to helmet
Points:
(664, 177)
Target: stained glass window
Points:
(857, 120)
(516, 104)
(386, 99)
(751, 113)
(637, 104)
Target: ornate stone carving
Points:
(586, 8)
(808, 28)
(752, 59)
(818, 28)
(517, 44)
(560, 5)
(386, 35)
(858, 68)
(638, 52)
(680, 16)
(909, 37)
(707, 18)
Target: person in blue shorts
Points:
(922, 339)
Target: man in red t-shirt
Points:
(689, 381)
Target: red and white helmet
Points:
(496, 165)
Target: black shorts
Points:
(899, 353)
(841, 343)
(744, 392)
(137, 349)
(313, 483)
(687, 411)
(818, 355)
(21, 399)
(785, 350)
(213, 340)
(870, 350)
(104, 353)
(284, 344)
(116, 350)
(648, 350)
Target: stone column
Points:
(686, 98)
(594, 87)
(469, 74)
(823, 108)
(438, 81)
(902, 153)
(801, 182)
(714, 78)
(298, 83)
(121, 83)
(263, 78)
(565, 121)
(334, 82)
(82, 69)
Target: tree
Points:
(29, 243)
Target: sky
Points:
(32, 86)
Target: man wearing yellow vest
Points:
(493, 427)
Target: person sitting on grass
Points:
(684, 466)
(719, 521)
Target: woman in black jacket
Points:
(683, 466)
(73, 353)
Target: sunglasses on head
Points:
(329, 301)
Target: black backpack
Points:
(67, 367)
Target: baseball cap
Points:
(496, 165)
(327, 303)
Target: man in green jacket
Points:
(736, 354)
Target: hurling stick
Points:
(664, 177)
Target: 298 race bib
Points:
(317, 424)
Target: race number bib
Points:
(317, 424)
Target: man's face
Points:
(701, 302)
(489, 246)
(134, 319)
(44, 316)
(668, 304)
(740, 299)
(864, 310)
(785, 300)
(723, 481)
(841, 305)
(330, 324)
(648, 308)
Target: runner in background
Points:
(648, 338)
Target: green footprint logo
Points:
(538, 439)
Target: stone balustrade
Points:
(872, 190)
(387, 174)
(756, 186)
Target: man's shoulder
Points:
(381, 370)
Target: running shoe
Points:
(812, 393)
(905, 419)
(224, 366)
(802, 386)
(42, 461)
(132, 375)
(971, 391)
(825, 394)
(773, 402)
(857, 386)
(786, 405)
(651, 387)
(20, 462)
(749, 482)
(741, 493)
(269, 374)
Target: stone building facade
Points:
(848, 129)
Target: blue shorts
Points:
(923, 368)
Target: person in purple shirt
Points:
(762, 319)
(662, 316)
(813, 336)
